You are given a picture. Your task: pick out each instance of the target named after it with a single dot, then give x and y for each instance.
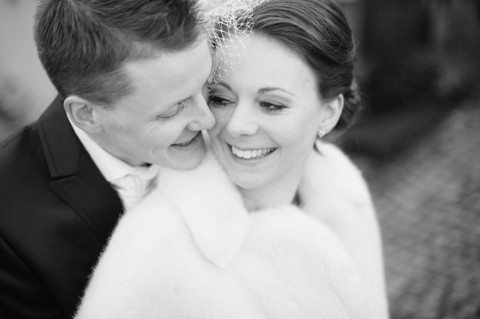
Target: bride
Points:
(275, 223)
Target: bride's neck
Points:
(281, 193)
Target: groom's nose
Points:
(202, 117)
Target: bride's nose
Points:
(242, 121)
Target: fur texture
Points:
(190, 250)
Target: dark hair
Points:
(83, 44)
(319, 32)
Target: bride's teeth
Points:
(251, 154)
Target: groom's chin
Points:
(186, 157)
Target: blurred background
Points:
(418, 144)
(25, 90)
(417, 140)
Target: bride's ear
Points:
(82, 113)
(331, 112)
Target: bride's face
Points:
(267, 111)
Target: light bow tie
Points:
(134, 186)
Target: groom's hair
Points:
(83, 44)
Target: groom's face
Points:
(160, 122)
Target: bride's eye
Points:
(219, 101)
(271, 107)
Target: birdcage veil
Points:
(225, 20)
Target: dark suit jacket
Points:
(56, 213)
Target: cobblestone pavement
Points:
(428, 203)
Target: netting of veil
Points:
(230, 27)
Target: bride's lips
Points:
(251, 153)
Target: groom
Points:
(130, 77)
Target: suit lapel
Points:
(75, 177)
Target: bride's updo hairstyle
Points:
(319, 32)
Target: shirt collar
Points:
(111, 167)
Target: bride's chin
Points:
(243, 180)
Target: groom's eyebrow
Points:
(268, 89)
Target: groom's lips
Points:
(189, 142)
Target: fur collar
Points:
(211, 208)
(190, 250)
(213, 211)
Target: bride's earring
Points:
(321, 133)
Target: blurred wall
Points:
(420, 53)
(418, 61)
(25, 90)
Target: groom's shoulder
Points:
(23, 170)
(18, 150)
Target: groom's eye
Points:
(173, 112)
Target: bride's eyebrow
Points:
(225, 85)
(268, 89)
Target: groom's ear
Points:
(82, 113)
(331, 114)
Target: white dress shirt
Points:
(132, 183)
